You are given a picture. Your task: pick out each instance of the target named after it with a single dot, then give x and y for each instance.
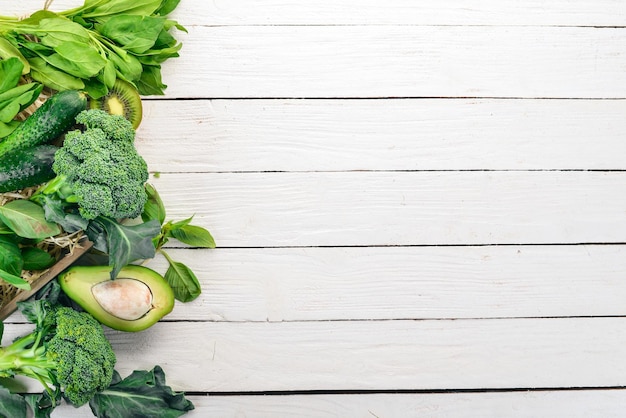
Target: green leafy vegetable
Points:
(13, 97)
(142, 394)
(36, 259)
(86, 47)
(27, 219)
(179, 276)
(12, 405)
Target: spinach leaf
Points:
(137, 34)
(11, 260)
(141, 394)
(11, 71)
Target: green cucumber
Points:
(26, 167)
(55, 116)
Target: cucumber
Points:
(55, 116)
(26, 167)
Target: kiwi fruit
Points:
(122, 99)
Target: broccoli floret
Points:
(67, 353)
(99, 168)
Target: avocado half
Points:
(134, 301)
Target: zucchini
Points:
(55, 116)
(26, 167)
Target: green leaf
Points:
(12, 405)
(167, 7)
(27, 220)
(86, 59)
(10, 73)
(11, 260)
(127, 65)
(124, 243)
(193, 235)
(150, 82)
(134, 33)
(115, 7)
(53, 78)
(154, 207)
(142, 394)
(19, 103)
(9, 51)
(182, 280)
(16, 281)
(7, 128)
(37, 259)
(55, 31)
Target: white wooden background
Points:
(420, 208)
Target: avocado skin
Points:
(77, 282)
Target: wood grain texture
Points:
(399, 61)
(400, 208)
(377, 355)
(573, 404)
(377, 12)
(342, 135)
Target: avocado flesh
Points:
(85, 284)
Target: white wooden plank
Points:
(377, 12)
(400, 208)
(571, 404)
(378, 355)
(389, 283)
(399, 61)
(309, 284)
(340, 135)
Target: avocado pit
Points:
(124, 298)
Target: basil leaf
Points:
(27, 220)
(141, 394)
(193, 235)
(182, 280)
(11, 260)
(36, 259)
(132, 32)
(154, 207)
(12, 405)
(125, 243)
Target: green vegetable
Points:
(49, 121)
(180, 277)
(26, 167)
(13, 97)
(99, 168)
(67, 352)
(90, 46)
(142, 394)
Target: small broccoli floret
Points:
(67, 352)
(114, 126)
(99, 168)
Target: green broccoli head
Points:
(67, 352)
(84, 357)
(102, 167)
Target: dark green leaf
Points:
(125, 243)
(27, 220)
(12, 405)
(37, 259)
(134, 33)
(10, 255)
(182, 280)
(193, 235)
(142, 394)
(127, 65)
(1, 329)
(42, 404)
(150, 82)
(154, 208)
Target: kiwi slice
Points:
(122, 99)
